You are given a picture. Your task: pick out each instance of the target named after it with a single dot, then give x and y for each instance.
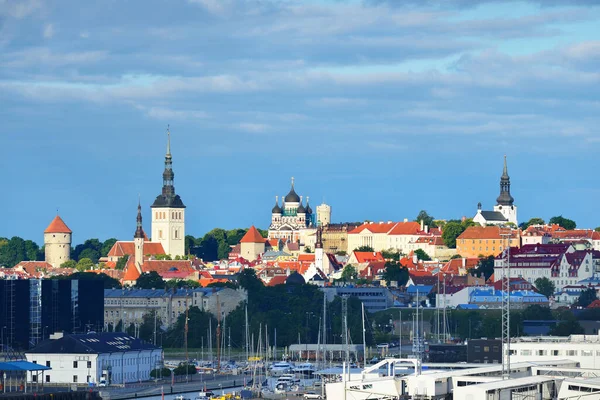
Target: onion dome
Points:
(308, 209)
(276, 209)
(295, 279)
(300, 209)
(292, 196)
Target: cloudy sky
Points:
(379, 108)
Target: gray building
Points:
(130, 305)
(374, 298)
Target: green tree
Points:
(395, 272)
(545, 286)
(90, 253)
(341, 253)
(533, 221)
(426, 218)
(248, 280)
(14, 251)
(564, 222)
(422, 255)
(190, 244)
(586, 297)
(391, 254)
(150, 322)
(106, 246)
(93, 247)
(69, 264)
(307, 249)
(84, 264)
(566, 328)
(163, 257)
(365, 248)
(452, 230)
(537, 313)
(160, 373)
(121, 263)
(349, 273)
(485, 267)
(597, 229)
(150, 280)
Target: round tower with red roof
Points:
(57, 242)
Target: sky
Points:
(380, 108)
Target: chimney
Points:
(426, 228)
(415, 259)
(405, 219)
(464, 262)
(422, 225)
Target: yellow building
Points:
(486, 241)
(335, 237)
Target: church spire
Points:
(139, 231)
(168, 198)
(505, 199)
(319, 241)
(168, 141)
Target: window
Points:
(74, 364)
(89, 364)
(556, 352)
(486, 349)
(571, 352)
(47, 378)
(525, 352)
(47, 363)
(541, 352)
(586, 353)
(74, 378)
(34, 378)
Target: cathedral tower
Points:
(168, 212)
(505, 202)
(138, 241)
(57, 242)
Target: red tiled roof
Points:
(57, 226)
(594, 304)
(306, 257)
(122, 248)
(367, 256)
(31, 267)
(453, 266)
(406, 228)
(131, 272)
(277, 280)
(373, 227)
(485, 232)
(253, 236)
(163, 266)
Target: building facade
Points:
(335, 237)
(113, 358)
(168, 212)
(484, 241)
(57, 242)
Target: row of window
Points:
(163, 215)
(543, 352)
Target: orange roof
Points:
(277, 280)
(252, 236)
(306, 257)
(31, 267)
(131, 272)
(453, 266)
(406, 228)
(122, 248)
(57, 226)
(374, 227)
(367, 256)
(485, 232)
(162, 266)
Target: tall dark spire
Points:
(168, 198)
(139, 232)
(505, 199)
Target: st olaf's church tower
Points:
(168, 212)
(505, 210)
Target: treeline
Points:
(216, 244)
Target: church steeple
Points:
(139, 231)
(505, 199)
(319, 241)
(168, 198)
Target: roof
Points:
(131, 271)
(422, 289)
(367, 256)
(485, 232)
(122, 248)
(22, 366)
(92, 343)
(253, 236)
(57, 226)
(406, 228)
(277, 280)
(306, 257)
(493, 216)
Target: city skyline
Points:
(377, 109)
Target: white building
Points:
(505, 210)
(95, 357)
(168, 212)
(584, 349)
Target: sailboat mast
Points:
(247, 336)
(364, 335)
(324, 329)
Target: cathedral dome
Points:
(276, 209)
(308, 209)
(292, 196)
(301, 209)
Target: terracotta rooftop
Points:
(485, 232)
(253, 236)
(122, 248)
(57, 226)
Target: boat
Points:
(205, 396)
(304, 369)
(280, 368)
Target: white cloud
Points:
(252, 127)
(19, 8)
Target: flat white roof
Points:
(516, 382)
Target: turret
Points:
(57, 242)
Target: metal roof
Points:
(146, 293)
(22, 366)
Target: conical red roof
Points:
(57, 226)
(252, 236)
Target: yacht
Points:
(280, 368)
(304, 369)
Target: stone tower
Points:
(168, 212)
(57, 242)
(138, 241)
(505, 202)
(323, 214)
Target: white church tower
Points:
(168, 212)
(505, 202)
(138, 241)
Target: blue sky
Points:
(380, 108)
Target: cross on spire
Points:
(292, 181)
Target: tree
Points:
(69, 264)
(90, 253)
(485, 267)
(426, 218)
(15, 250)
(307, 249)
(452, 230)
(365, 248)
(121, 263)
(150, 280)
(597, 229)
(84, 264)
(248, 280)
(422, 255)
(395, 272)
(391, 254)
(566, 223)
(150, 321)
(586, 297)
(533, 221)
(163, 257)
(545, 286)
(158, 373)
(106, 246)
(566, 328)
(341, 253)
(349, 273)
(93, 247)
